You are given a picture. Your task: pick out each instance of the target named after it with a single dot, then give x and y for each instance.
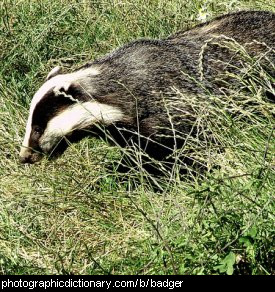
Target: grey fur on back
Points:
(142, 77)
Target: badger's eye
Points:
(37, 130)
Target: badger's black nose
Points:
(30, 157)
(25, 159)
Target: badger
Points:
(131, 95)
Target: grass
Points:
(77, 215)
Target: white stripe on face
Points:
(78, 116)
(55, 83)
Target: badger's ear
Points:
(55, 71)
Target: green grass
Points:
(77, 215)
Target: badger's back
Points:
(243, 26)
(149, 78)
(157, 65)
(144, 73)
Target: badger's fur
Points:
(130, 92)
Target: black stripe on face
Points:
(51, 104)
(47, 108)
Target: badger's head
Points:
(62, 106)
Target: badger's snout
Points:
(28, 156)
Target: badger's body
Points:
(133, 93)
